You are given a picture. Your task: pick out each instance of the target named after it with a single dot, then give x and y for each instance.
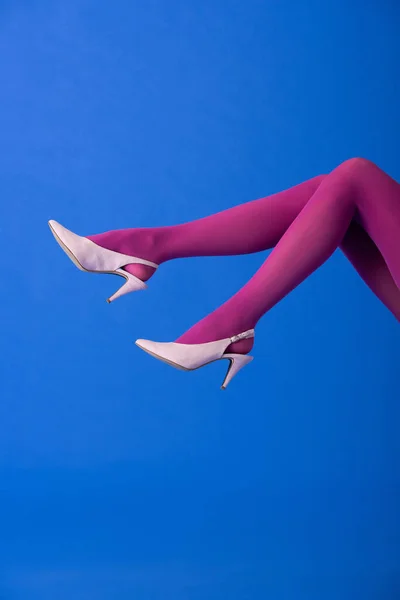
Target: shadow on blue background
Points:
(123, 478)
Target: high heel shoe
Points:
(189, 357)
(90, 257)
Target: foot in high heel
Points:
(89, 256)
(190, 357)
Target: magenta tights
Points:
(356, 207)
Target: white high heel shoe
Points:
(90, 257)
(190, 357)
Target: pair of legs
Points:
(356, 207)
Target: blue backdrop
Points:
(119, 476)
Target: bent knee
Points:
(357, 163)
(354, 169)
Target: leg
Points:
(357, 189)
(369, 263)
(244, 229)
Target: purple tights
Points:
(356, 207)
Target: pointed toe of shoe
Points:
(148, 346)
(164, 351)
(60, 231)
(76, 247)
(140, 343)
(53, 226)
(79, 246)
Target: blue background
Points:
(119, 476)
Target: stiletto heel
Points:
(89, 257)
(237, 362)
(190, 357)
(132, 284)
